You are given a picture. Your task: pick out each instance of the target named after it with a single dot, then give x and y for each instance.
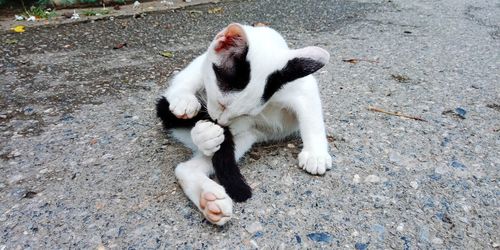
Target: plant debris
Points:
(19, 29)
(357, 60)
(216, 10)
(374, 109)
(400, 78)
(167, 54)
(120, 45)
(194, 13)
(261, 24)
(11, 41)
(494, 106)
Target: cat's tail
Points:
(227, 171)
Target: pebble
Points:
(43, 171)
(461, 112)
(320, 237)
(3, 116)
(400, 227)
(29, 111)
(372, 179)
(437, 241)
(457, 165)
(254, 244)
(289, 145)
(356, 178)
(361, 246)
(394, 157)
(15, 178)
(254, 227)
(414, 184)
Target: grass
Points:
(40, 12)
(103, 11)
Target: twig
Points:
(356, 60)
(374, 109)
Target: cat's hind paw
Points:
(315, 163)
(185, 107)
(216, 207)
(207, 136)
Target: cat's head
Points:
(246, 65)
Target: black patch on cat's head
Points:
(234, 75)
(295, 68)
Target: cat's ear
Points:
(302, 62)
(231, 40)
(305, 61)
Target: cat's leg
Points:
(181, 94)
(208, 196)
(314, 157)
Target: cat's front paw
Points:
(207, 136)
(185, 107)
(315, 163)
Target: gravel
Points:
(84, 163)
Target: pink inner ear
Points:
(232, 36)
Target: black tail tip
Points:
(162, 107)
(240, 192)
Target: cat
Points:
(248, 87)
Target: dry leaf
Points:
(120, 45)
(18, 29)
(216, 10)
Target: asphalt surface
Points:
(84, 162)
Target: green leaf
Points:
(167, 54)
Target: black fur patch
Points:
(233, 78)
(227, 171)
(169, 120)
(224, 161)
(294, 69)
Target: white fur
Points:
(294, 108)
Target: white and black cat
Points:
(248, 87)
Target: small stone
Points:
(361, 246)
(457, 165)
(29, 111)
(320, 237)
(289, 145)
(15, 179)
(356, 178)
(372, 179)
(3, 116)
(394, 157)
(254, 227)
(254, 244)
(437, 241)
(107, 156)
(43, 171)
(414, 184)
(101, 247)
(461, 112)
(400, 227)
